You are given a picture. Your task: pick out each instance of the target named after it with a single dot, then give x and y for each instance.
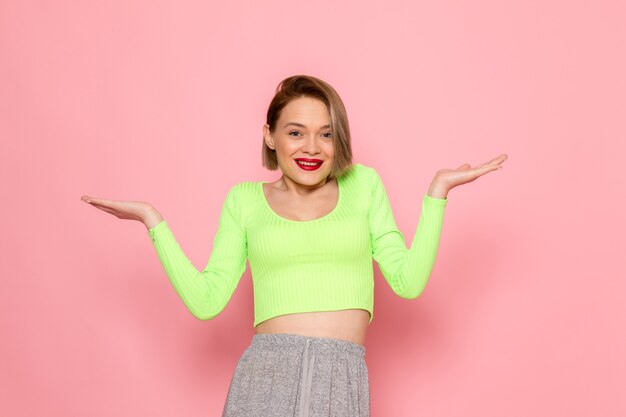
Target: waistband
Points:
(323, 344)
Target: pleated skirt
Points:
(291, 375)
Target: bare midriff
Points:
(342, 324)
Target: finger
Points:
(483, 170)
(103, 202)
(499, 159)
(109, 210)
(463, 167)
(495, 161)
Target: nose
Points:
(311, 145)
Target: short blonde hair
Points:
(298, 86)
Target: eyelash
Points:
(327, 137)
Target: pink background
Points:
(524, 314)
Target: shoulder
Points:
(363, 181)
(367, 175)
(359, 170)
(242, 192)
(241, 187)
(240, 199)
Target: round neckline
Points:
(333, 211)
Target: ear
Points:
(267, 136)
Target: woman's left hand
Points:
(447, 179)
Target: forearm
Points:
(203, 296)
(424, 247)
(408, 271)
(205, 293)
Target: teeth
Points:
(308, 163)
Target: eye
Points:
(330, 135)
(295, 131)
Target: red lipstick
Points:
(309, 164)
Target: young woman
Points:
(310, 238)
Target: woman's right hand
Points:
(128, 210)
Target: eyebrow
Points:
(303, 126)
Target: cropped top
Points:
(323, 264)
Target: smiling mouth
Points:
(308, 166)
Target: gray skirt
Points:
(291, 375)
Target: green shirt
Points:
(323, 264)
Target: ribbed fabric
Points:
(303, 266)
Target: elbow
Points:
(205, 314)
(411, 295)
(207, 308)
(202, 317)
(412, 290)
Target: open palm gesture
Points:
(446, 179)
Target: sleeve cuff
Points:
(435, 201)
(156, 229)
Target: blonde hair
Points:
(298, 86)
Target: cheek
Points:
(290, 147)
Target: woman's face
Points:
(303, 131)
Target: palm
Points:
(465, 173)
(130, 210)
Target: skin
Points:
(306, 195)
(299, 194)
